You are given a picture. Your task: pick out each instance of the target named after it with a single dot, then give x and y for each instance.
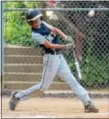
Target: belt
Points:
(53, 53)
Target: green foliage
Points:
(95, 72)
(17, 31)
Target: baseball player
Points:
(54, 63)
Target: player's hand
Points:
(69, 39)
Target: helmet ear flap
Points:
(30, 22)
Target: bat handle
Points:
(78, 70)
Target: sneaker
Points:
(13, 101)
(90, 107)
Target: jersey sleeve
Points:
(48, 25)
(38, 38)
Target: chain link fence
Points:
(89, 28)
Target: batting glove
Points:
(69, 39)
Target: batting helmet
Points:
(32, 14)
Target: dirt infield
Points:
(54, 108)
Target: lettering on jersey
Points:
(50, 37)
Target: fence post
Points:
(2, 43)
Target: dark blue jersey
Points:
(48, 35)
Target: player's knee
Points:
(64, 74)
(71, 80)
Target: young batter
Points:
(53, 61)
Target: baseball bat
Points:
(77, 65)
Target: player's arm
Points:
(41, 40)
(48, 44)
(59, 32)
(56, 30)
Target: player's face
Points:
(35, 23)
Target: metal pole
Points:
(59, 9)
(0, 50)
(2, 41)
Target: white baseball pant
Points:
(56, 65)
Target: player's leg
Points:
(51, 64)
(65, 73)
